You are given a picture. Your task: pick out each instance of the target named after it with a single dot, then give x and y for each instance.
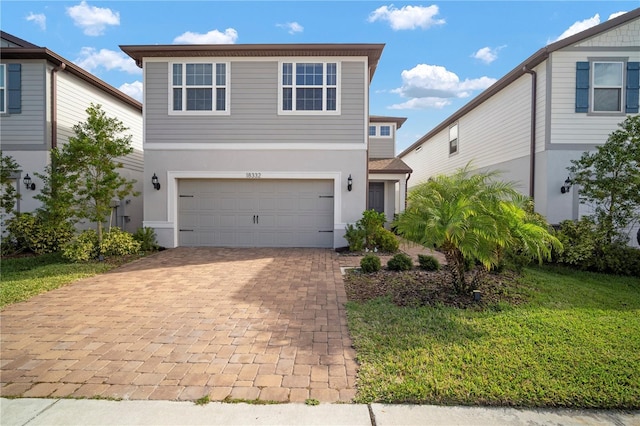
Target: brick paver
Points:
(184, 323)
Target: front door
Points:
(376, 196)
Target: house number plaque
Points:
(254, 175)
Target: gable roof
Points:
(534, 60)
(372, 51)
(385, 119)
(26, 50)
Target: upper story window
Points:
(385, 130)
(607, 86)
(199, 88)
(309, 87)
(380, 131)
(3, 88)
(372, 130)
(453, 139)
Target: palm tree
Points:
(472, 217)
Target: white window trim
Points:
(214, 86)
(457, 139)
(592, 85)
(311, 60)
(379, 131)
(4, 88)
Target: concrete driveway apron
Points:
(246, 324)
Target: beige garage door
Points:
(255, 213)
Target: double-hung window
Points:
(385, 130)
(309, 87)
(372, 130)
(199, 88)
(607, 86)
(3, 88)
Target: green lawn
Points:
(22, 278)
(576, 343)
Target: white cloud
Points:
(91, 59)
(487, 54)
(407, 17)
(433, 86)
(39, 18)
(132, 89)
(93, 20)
(579, 26)
(229, 36)
(291, 27)
(615, 15)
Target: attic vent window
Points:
(418, 149)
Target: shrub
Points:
(147, 239)
(83, 247)
(355, 238)
(370, 263)
(386, 241)
(400, 262)
(619, 259)
(30, 232)
(428, 263)
(579, 239)
(117, 242)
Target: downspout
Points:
(54, 104)
(532, 153)
(406, 190)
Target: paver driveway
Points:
(185, 323)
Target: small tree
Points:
(472, 217)
(8, 193)
(87, 167)
(609, 178)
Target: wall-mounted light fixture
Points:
(28, 184)
(349, 183)
(155, 182)
(567, 185)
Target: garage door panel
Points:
(256, 213)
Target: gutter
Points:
(532, 149)
(54, 104)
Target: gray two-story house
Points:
(255, 145)
(42, 96)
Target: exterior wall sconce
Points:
(155, 182)
(567, 185)
(28, 184)
(349, 183)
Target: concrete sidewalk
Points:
(68, 412)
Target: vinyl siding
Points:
(567, 126)
(381, 148)
(75, 96)
(254, 110)
(28, 127)
(497, 131)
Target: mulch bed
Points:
(422, 288)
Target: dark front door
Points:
(376, 196)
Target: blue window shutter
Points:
(582, 86)
(633, 86)
(14, 88)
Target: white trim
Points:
(284, 58)
(184, 87)
(254, 146)
(593, 88)
(324, 87)
(172, 178)
(5, 88)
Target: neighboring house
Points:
(388, 175)
(42, 96)
(563, 100)
(255, 145)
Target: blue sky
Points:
(438, 55)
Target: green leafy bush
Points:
(428, 263)
(386, 241)
(147, 239)
(30, 232)
(82, 248)
(370, 263)
(579, 240)
(117, 242)
(355, 238)
(618, 259)
(400, 262)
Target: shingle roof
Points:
(389, 166)
(385, 119)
